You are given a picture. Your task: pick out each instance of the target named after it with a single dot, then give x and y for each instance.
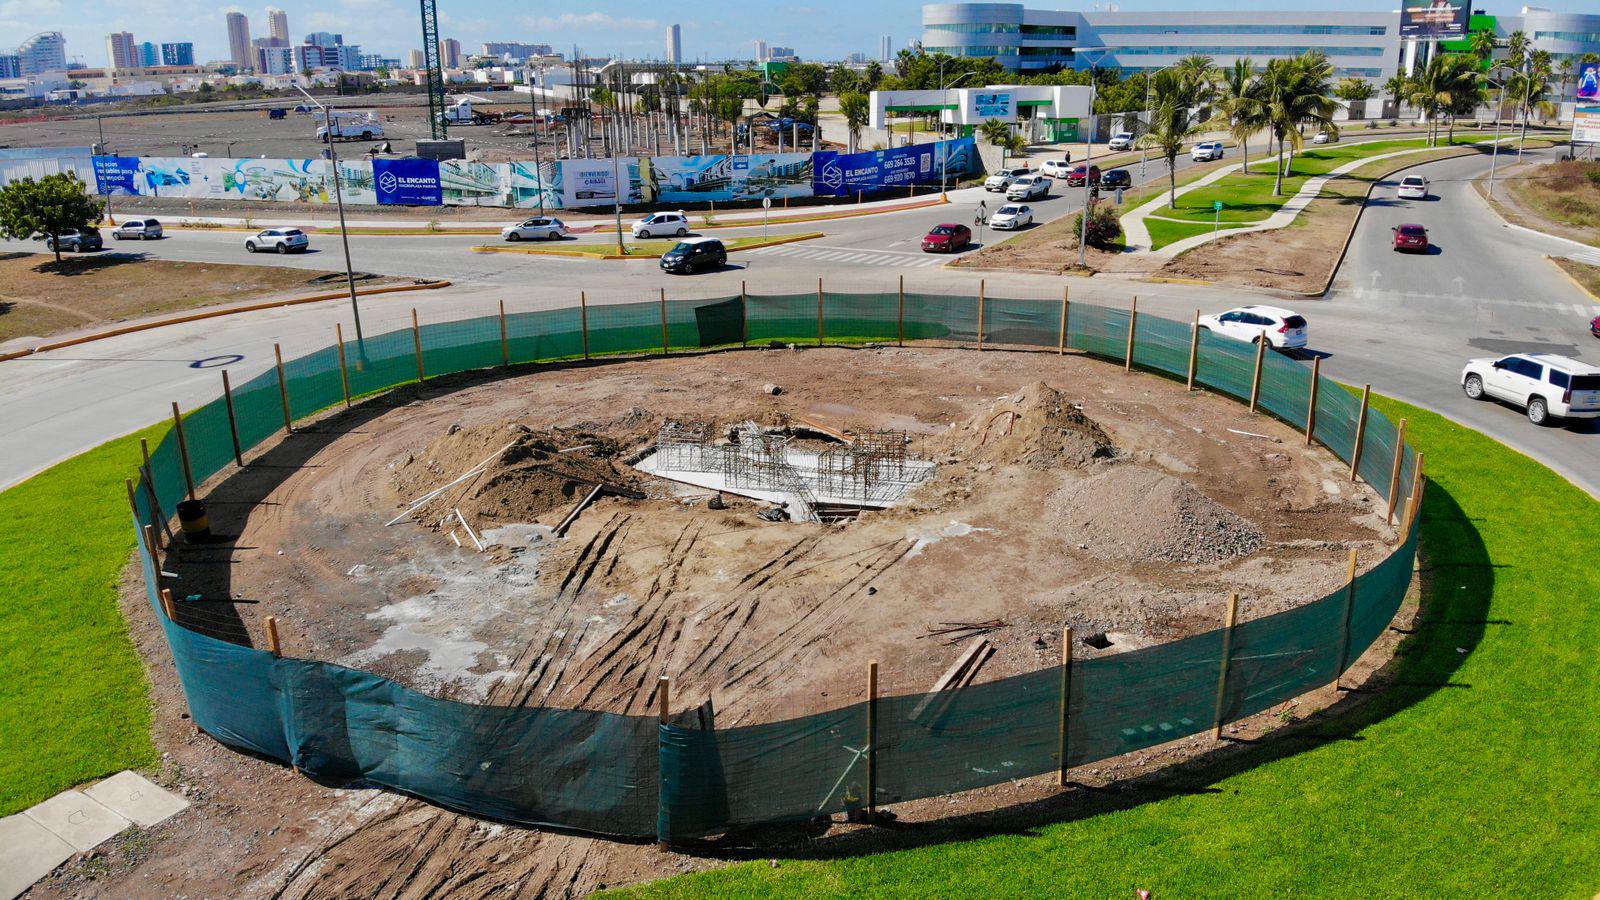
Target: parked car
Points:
(1122, 140)
(1012, 215)
(1413, 187)
(692, 254)
(1206, 151)
(1546, 385)
(947, 238)
(1057, 168)
(1325, 137)
(1413, 238)
(79, 241)
(673, 223)
(138, 230)
(1075, 177)
(279, 240)
(277, 112)
(538, 228)
(1031, 187)
(1002, 179)
(1282, 329)
(1116, 178)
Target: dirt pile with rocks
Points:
(1134, 514)
(1036, 427)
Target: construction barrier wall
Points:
(638, 777)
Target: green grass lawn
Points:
(74, 702)
(1472, 774)
(1164, 231)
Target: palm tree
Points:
(1238, 102)
(1481, 44)
(1516, 49)
(854, 107)
(1430, 92)
(1172, 123)
(1296, 91)
(1563, 75)
(1397, 87)
(1198, 74)
(998, 134)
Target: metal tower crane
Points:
(430, 58)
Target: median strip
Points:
(645, 250)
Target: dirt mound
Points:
(1037, 427)
(518, 474)
(1136, 514)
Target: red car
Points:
(1075, 177)
(1411, 237)
(1594, 326)
(947, 238)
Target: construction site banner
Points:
(697, 179)
(842, 175)
(408, 182)
(284, 180)
(115, 174)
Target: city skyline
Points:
(727, 30)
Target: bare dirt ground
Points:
(1066, 493)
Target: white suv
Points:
(1546, 385)
(1122, 140)
(673, 223)
(1002, 179)
(1206, 151)
(1280, 328)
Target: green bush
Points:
(1105, 231)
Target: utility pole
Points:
(538, 166)
(344, 234)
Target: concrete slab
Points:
(137, 798)
(78, 820)
(28, 852)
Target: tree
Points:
(854, 106)
(998, 134)
(1172, 123)
(1103, 229)
(1481, 44)
(1397, 87)
(872, 76)
(51, 206)
(1296, 91)
(1238, 102)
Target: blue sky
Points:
(720, 28)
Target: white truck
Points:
(461, 113)
(351, 126)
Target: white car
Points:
(1413, 187)
(1012, 215)
(1122, 140)
(1546, 385)
(539, 228)
(1056, 168)
(1325, 137)
(281, 240)
(1002, 179)
(1206, 151)
(1030, 187)
(673, 223)
(1282, 329)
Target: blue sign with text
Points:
(115, 174)
(411, 182)
(842, 174)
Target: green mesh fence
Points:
(636, 777)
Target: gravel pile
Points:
(1127, 512)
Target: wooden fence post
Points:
(663, 709)
(1227, 662)
(1414, 500)
(147, 471)
(1311, 406)
(505, 339)
(1344, 626)
(583, 312)
(133, 500)
(416, 341)
(1066, 309)
(167, 605)
(900, 317)
(1361, 432)
(154, 547)
(1194, 350)
(981, 286)
(872, 741)
(666, 342)
(1394, 471)
(1255, 380)
(744, 316)
(233, 420)
(344, 366)
(273, 644)
(183, 449)
(1066, 701)
(819, 313)
(1133, 326)
(283, 390)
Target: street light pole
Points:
(1494, 151)
(538, 168)
(344, 233)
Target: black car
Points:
(81, 241)
(1116, 178)
(694, 254)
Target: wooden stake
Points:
(583, 311)
(416, 341)
(1311, 406)
(1344, 627)
(872, 741)
(819, 313)
(663, 709)
(133, 500)
(1227, 662)
(153, 548)
(344, 366)
(1066, 307)
(1255, 380)
(744, 316)
(273, 643)
(147, 473)
(1361, 432)
(1194, 350)
(666, 347)
(1066, 700)
(233, 420)
(1394, 471)
(900, 317)
(167, 605)
(505, 341)
(1133, 327)
(283, 390)
(980, 314)
(1413, 503)
(183, 449)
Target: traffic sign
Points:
(1216, 206)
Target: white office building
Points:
(674, 44)
(44, 52)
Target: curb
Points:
(1575, 282)
(216, 313)
(579, 254)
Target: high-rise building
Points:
(761, 51)
(275, 60)
(674, 44)
(44, 52)
(278, 27)
(416, 59)
(149, 54)
(516, 50)
(121, 51)
(10, 65)
(450, 53)
(885, 48)
(776, 52)
(177, 54)
(239, 41)
(325, 39)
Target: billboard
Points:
(693, 179)
(1434, 19)
(1586, 124)
(1589, 82)
(841, 175)
(408, 182)
(115, 174)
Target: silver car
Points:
(278, 240)
(138, 230)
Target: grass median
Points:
(635, 249)
(1471, 773)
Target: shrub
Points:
(1104, 229)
